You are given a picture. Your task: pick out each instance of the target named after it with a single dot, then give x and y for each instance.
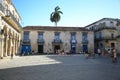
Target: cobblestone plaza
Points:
(59, 67)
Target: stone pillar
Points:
(10, 47)
(6, 46)
(2, 47)
(16, 46)
(13, 47)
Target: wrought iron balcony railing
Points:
(40, 41)
(9, 14)
(57, 41)
(73, 41)
(105, 27)
(26, 40)
(85, 41)
(105, 38)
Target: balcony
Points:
(105, 27)
(57, 41)
(39, 41)
(26, 41)
(2, 8)
(84, 41)
(105, 38)
(73, 41)
(10, 15)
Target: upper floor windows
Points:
(57, 37)
(85, 36)
(40, 35)
(111, 24)
(26, 35)
(112, 35)
(73, 37)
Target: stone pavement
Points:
(59, 67)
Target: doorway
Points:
(85, 48)
(73, 48)
(26, 49)
(56, 48)
(113, 45)
(40, 48)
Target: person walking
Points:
(92, 54)
(86, 54)
(99, 51)
(109, 51)
(11, 55)
(114, 56)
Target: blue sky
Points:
(75, 12)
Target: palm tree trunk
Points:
(56, 24)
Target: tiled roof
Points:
(51, 28)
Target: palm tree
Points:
(55, 16)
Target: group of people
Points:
(111, 52)
(60, 52)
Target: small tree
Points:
(55, 16)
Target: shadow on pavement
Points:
(71, 67)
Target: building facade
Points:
(43, 39)
(10, 29)
(106, 31)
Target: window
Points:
(84, 36)
(73, 37)
(40, 35)
(26, 35)
(111, 24)
(57, 37)
(112, 35)
(103, 25)
(13, 13)
(100, 25)
(92, 28)
(100, 35)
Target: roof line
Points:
(101, 20)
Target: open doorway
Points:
(56, 47)
(113, 45)
(40, 48)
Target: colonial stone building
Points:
(41, 39)
(106, 31)
(10, 29)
